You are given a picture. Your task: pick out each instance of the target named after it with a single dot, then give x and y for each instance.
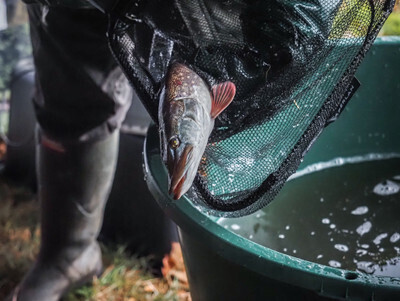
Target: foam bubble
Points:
(364, 228)
(326, 221)
(341, 248)
(365, 266)
(379, 238)
(360, 210)
(395, 237)
(386, 188)
(334, 263)
(235, 227)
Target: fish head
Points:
(185, 102)
(182, 153)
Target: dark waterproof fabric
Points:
(291, 61)
(81, 92)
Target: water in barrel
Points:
(343, 214)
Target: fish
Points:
(186, 114)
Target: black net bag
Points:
(293, 64)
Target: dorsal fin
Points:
(223, 95)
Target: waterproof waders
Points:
(74, 183)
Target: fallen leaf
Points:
(174, 268)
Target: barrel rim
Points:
(324, 280)
(243, 252)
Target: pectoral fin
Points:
(223, 95)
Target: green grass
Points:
(127, 278)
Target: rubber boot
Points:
(74, 183)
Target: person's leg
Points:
(80, 103)
(74, 183)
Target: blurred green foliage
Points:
(14, 45)
(356, 14)
(392, 25)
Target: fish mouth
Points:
(179, 173)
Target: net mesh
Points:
(292, 63)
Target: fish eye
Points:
(174, 142)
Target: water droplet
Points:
(281, 236)
(326, 221)
(320, 256)
(332, 226)
(312, 233)
(287, 227)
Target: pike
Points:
(186, 115)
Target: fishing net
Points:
(293, 64)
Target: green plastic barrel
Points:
(223, 265)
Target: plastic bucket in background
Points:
(223, 265)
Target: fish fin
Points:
(223, 95)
